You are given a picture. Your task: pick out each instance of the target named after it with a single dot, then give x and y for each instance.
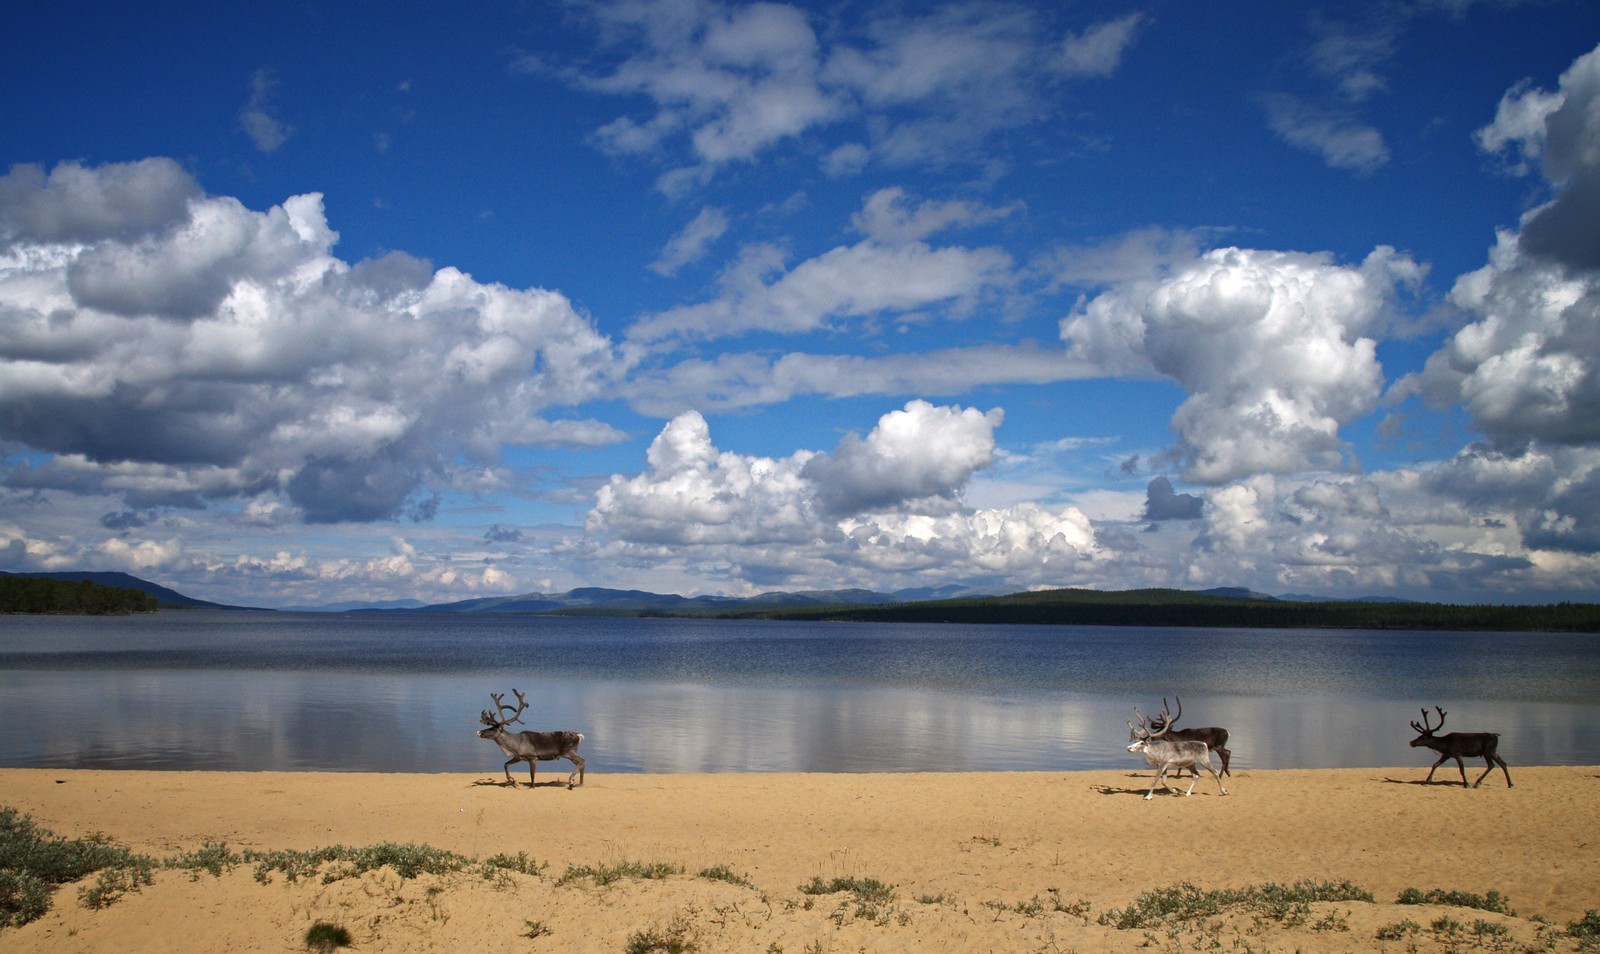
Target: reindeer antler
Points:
(501, 709)
(1426, 729)
(1164, 720)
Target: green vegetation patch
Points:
(1494, 901)
(33, 860)
(1289, 904)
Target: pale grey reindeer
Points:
(1214, 736)
(1167, 754)
(530, 747)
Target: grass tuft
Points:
(725, 873)
(609, 874)
(672, 939)
(323, 936)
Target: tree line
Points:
(22, 594)
(1156, 607)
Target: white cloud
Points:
(1528, 367)
(847, 282)
(1273, 348)
(733, 80)
(1351, 55)
(260, 123)
(727, 83)
(885, 506)
(886, 217)
(921, 456)
(223, 352)
(1342, 141)
(735, 380)
(1098, 50)
(690, 245)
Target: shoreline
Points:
(976, 848)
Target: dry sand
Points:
(979, 862)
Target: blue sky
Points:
(347, 301)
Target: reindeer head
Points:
(496, 724)
(1148, 730)
(1425, 732)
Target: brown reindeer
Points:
(530, 747)
(1459, 745)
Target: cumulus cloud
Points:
(1274, 348)
(1526, 368)
(918, 454)
(73, 204)
(885, 504)
(174, 347)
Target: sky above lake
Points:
(312, 302)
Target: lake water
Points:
(402, 692)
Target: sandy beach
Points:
(978, 862)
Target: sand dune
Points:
(978, 862)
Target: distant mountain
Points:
(595, 599)
(357, 606)
(166, 597)
(1237, 593)
(1308, 598)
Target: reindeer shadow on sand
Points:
(1141, 790)
(500, 783)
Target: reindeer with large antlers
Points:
(1459, 745)
(530, 747)
(1168, 753)
(1214, 736)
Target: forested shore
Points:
(1161, 607)
(33, 595)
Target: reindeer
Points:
(1212, 735)
(1459, 745)
(530, 747)
(1215, 737)
(1167, 753)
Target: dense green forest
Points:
(1156, 607)
(21, 594)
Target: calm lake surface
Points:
(402, 692)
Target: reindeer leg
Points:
(509, 780)
(533, 781)
(1219, 780)
(1429, 779)
(1490, 760)
(1161, 772)
(577, 760)
(1195, 777)
(1225, 754)
(1463, 767)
